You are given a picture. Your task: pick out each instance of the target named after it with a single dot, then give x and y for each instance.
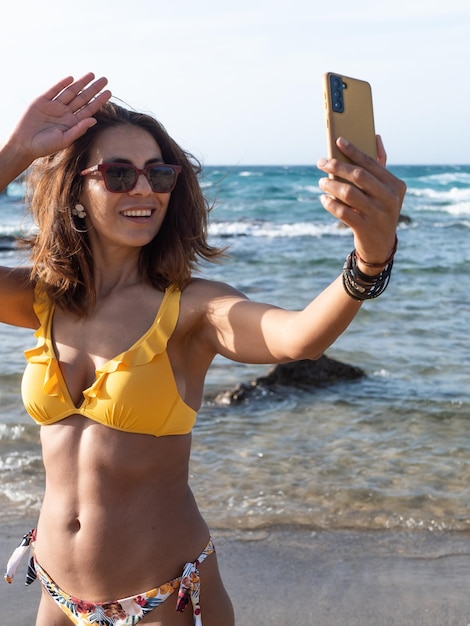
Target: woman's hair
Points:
(60, 251)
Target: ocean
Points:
(388, 451)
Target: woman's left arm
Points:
(367, 198)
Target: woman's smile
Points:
(137, 213)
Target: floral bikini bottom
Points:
(125, 612)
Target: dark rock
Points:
(7, 242)
(305, 374)
(404, 219)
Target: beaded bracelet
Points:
(360, 286)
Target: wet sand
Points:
(296, 577)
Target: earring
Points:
(79, 210)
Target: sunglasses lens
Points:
(161, 178)
(120, 178)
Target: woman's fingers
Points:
(56, 89)
(365, 196)
(381, 154)
(83, 101)
(357, 159)
(81, 98)
(360, 181)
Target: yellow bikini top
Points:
(135, 391)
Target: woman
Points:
(125, 336)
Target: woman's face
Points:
(130, 219)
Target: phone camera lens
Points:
(336, 87)
(335, 82)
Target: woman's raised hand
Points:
(57, 118)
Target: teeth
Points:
(137, 213)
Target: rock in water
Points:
(305, 374)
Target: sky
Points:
(240, 83)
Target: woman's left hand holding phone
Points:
(368, 199)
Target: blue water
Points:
(388, 451)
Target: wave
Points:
(454, 201)
(447, 178)
(453, 194)
(270, 230)
(246, 173)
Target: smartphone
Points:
(348, 113)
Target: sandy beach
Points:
(296, 577)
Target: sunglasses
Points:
(123, 177)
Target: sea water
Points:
(390, 450)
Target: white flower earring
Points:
(79, 210)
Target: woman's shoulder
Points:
(202, 300)
(205, 307)
(206, 292)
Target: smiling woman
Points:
(125, 336)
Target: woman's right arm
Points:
(17, 297)
(52, 122)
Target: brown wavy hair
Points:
(60, 251)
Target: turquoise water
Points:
(388, 451)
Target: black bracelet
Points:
(360, 286)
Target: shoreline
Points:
(290, 575)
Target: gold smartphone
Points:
(348, 113)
